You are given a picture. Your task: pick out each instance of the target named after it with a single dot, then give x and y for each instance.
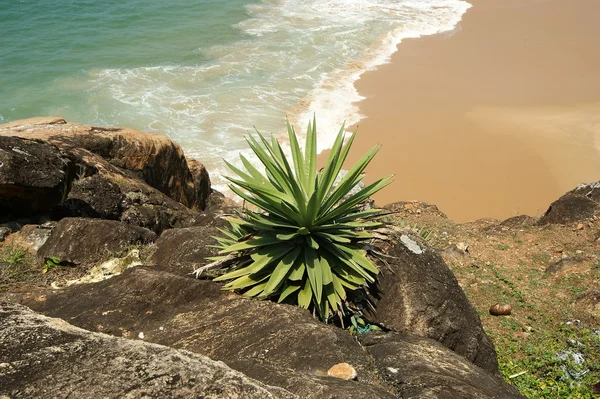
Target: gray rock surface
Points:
(419, 294)
(279, 345)
(421, 368)
(80, 240)
(49, 358)
(182, 250)
(276, 344)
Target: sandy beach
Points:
(496, 119)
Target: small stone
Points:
(500, 310)
(141, 335)
(463, 247)
(580, 226)
(343, 371)
(596, 388)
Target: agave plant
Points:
(305, 243)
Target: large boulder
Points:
(34, 177)
(577, 205)
(95, 196)
(38, 181)
(155, 159)
(84, 241)
(421, 368)
(49, 358)
(419, 294)
(276, 344)
(279, 345)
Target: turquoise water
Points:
(51, 49)
(202, 72)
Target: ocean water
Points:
(203, 72)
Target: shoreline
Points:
(488, 122)
(339, 87)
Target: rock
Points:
(596, 388)
(461, 246)
(49, 358)
(146, 207)
(580, 226)
(419, 294)
(201, 181)
(458, 252)
(589, 301)
(155, 159)
(181, 251)
(4, 232)
(570, 208)
(81, 241)
(218, 202)
(421, 368)
(276, 344)
(562, 264)
(343, 371)
(106, 191)
(517, 222)
(410, 207)
(32, 236)
(95, 197)
(513, 223)
(589, 190)
(34, 177)
(500, 310)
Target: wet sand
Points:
(497, 119)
